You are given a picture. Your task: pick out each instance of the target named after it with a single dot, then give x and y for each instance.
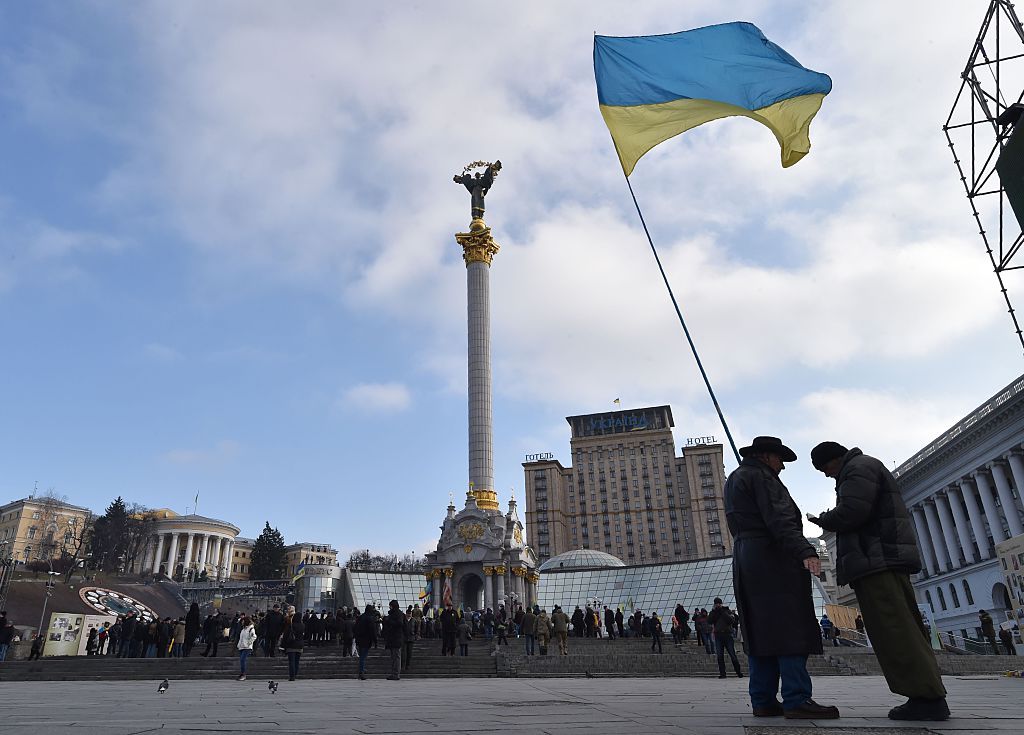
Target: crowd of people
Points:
(877, 551)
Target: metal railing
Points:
(958, 644)
(850, 637)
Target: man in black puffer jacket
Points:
(876, 554)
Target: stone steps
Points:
(316, 663)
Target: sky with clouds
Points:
(227, 262)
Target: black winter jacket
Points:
(874, 531)
(365, 630)
(394, 629)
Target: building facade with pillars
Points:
(183, 547)
(482, 560)
(964, 493)
(628, 493)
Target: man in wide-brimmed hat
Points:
(772, 563)
(876, 554)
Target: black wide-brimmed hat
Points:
(769, 445)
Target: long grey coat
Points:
(773, 590)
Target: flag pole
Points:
(682, 323)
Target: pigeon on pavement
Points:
(272, 686)
(163, 686)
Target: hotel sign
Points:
(611, 423)
(540, 457)
(698, 440)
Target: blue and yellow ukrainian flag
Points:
(652, 88)
(300, 571)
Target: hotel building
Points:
(628, 493)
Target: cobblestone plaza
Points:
(987, 704)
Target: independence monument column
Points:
(478, 249)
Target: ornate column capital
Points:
(500, 569)
(488, 571)
(449, 573)
(477, 245)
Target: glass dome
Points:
(581, 559)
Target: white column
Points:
(188, 552)
(949, 534)
(977, 521)
(962, 531)
(1006, 498)
(924, 540)
(159, 553)
(222, 547)
(499, 591)
(172, 559)
(488, 580)
(941, 556)
(202, 552)
(231, 557)
(215, 556)
(995, 525)
(1017, 468)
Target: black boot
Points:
(935, 710)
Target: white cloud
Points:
(279, 149)
(890, 425)
(367, 397)
(222, 452)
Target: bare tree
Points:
(75, 542)
(137, 531)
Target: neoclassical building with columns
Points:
(182, 547)
(964, 491)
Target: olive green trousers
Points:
(894, 625)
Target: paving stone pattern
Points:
(678, 706)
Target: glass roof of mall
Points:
(651, 587)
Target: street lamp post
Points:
(49, 592)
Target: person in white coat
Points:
(246, 640)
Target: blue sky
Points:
(227, 263)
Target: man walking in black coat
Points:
(721, 623)
(365, 631)
(273, 624)
(394, 638)
(449, 630)
(772, 563)
(876, 554)
(212, 630)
